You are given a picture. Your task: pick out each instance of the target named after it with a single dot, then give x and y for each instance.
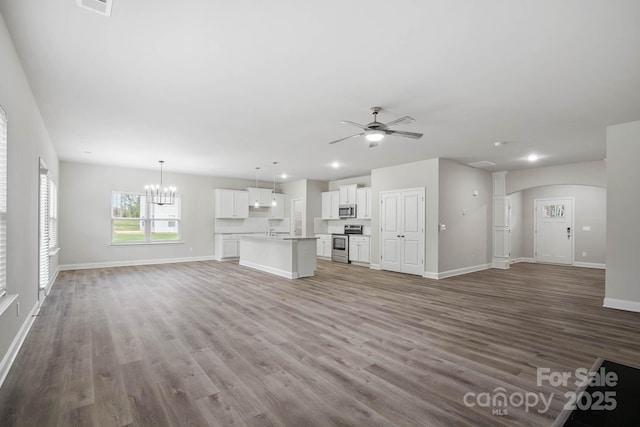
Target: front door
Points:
(554, 231)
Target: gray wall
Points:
(85, 213)
(422, 174)
(314, 203)
(623, 205)
(466, 242)
(586, 173)
(361, 181)
(589, 209)
(516, 225)
(28, 140)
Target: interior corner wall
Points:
(466, 242)
(85, 214)
(421, 174)
(589, 210)
(28, 140)
(313, 207)
(622, 284)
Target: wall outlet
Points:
(584, 253)
(442, 227)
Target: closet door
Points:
(402, 231)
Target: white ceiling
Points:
(219, 87)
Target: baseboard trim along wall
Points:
(621, 304)
(465, 270)
(133, 263)
(590, 265)
(430, 275)
(522, 259)
(375, 266)
(14, 348)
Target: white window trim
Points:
(4, 125)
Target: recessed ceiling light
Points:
(532, 157)
(335, 165)
(283, 176)
(498, 144)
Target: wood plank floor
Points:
(216, 344)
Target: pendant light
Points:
(257, 203)
(159, 194)
(273, 201)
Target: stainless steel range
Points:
(340, 243)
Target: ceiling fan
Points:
(375, 131)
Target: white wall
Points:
(589, 210)
(466, 242)
(422, 174)
(314, 203)
(85, 213)
(622, 286)
(586, 173)
(28, 140)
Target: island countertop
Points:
(276, 237)
(288, 256)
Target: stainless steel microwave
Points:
(347, 211)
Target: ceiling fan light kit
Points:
(375, 131)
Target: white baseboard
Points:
(14, 348)
(430, 275)
(621, 304)
(267, 269)
(133, 263)
(375, 266)
(522, 259)
(501, 263)
(465, 270)
(590, 265)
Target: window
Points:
(3, 202)
(133, 220)
(48, 229)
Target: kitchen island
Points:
(287, 256)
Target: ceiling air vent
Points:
(103, 7)
(481, 164)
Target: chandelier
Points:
(158, 194)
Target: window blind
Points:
(3, 202)
(44, 230)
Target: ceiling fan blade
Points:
(347, 137)
(347, 122)
(405, 119)
(413, 135)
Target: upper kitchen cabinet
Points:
(330, 205)
(231, 204)
(364, 203)
(260, 195)
(277, 211)
(348, 194)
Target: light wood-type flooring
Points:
(209, 343)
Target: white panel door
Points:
(390, 232)
(554, 231)
(402, 231)
(412, 231)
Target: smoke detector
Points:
(103, 7)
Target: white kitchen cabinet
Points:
(330, 205)
(323, 245)
(277, 211)
(359, 249)
(348, 194)
(364, 203)
(227, 247)
(261, 195)
(231, 204)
